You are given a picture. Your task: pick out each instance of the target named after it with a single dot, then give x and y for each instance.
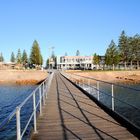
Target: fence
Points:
(41, 92)
(107, 94)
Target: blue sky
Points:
(68, 25)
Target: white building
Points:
(75, 62)
(7, 65)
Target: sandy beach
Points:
(112, 76)
(21, 77)
(26, 77)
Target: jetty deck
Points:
(70, 115)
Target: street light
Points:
(50, 49)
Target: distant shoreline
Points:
(33, 77)
(131, 77)
(22, 77)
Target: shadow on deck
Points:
(70, 114)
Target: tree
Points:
(47, 63)
(77, 53)
(12, 57)
(19, 58)
(41, 60)
(35, 56)
(24, 57)
(138, 51)
(123, 47)
(1, 57)
(134, 49)
(96, 59)
(112, 55)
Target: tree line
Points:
(1, 57)
(126, 52)
(35, 58)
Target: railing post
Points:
(112, 97)
(43, 94)
(98, 93)
(76, 81)
(46, 89)
(89, 85)
(18, 123)
(79, 82)
(46, 84)
(43, 86)
(34, 109)
(40, 98)
(83, 82)
(70, 77)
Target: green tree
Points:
(77, 53)
(35, 56)
(138, 52)
(112, 55)
(1, 57)
(19, 58)
(41, 60)
(123, 47)
(134, 49)
(12, 57)
(24, 57)
(96, 59)
(47, 63)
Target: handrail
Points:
(42, 88)
(116, 98)
(98, 91)
(106, 82)
(11, 115)
(23, 103)
(7, 119)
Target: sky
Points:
(67, 25)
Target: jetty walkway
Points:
(69, 114)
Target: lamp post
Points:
(50, 50)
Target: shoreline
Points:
(130, 77)
(34, 77)
(22, 77)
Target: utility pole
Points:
(50, 50)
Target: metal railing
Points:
(92, 86)
(42, 90)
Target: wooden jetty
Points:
(70, 115)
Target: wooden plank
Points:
(69, 114)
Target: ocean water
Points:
(126, 100)
(10, 97)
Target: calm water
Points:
(127, 96)
(10, 97)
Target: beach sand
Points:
(26, 77)
(22, 77)
(112, 76)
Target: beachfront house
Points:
(7, 65)
(75, 62)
